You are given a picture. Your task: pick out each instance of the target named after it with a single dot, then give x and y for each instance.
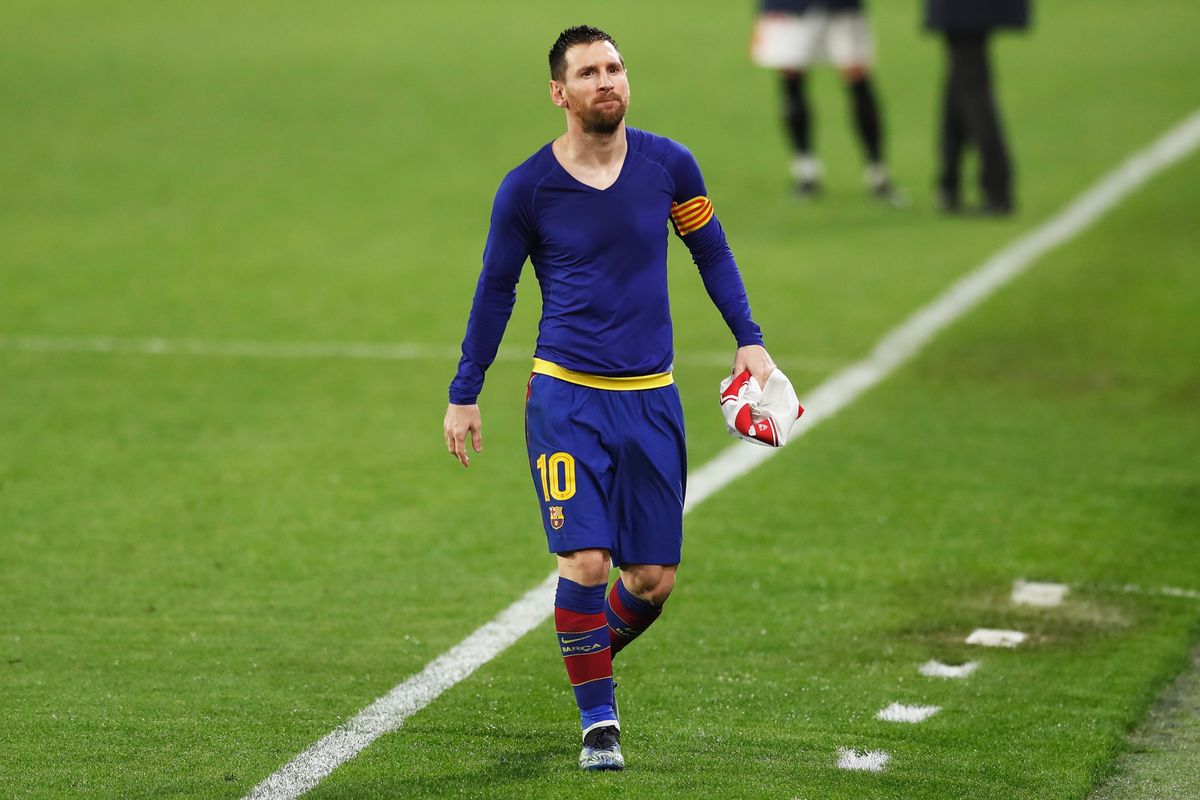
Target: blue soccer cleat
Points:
(602, 749)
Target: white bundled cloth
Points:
(760, 414)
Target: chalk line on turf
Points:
(989, 637)
(895, 349)
(1153, 591)
(900, 712)
(1034, 593)
(865, 761)
(936, 669)
(367, 351)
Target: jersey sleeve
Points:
(696, 224)
(509, 243)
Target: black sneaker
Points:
(948, 202)
(806, 189)
(602, 749)
(996, 207)
(887, 194)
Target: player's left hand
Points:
(754, 357)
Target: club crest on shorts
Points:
(557, 520)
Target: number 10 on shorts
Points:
(557, 484)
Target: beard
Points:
(605, 119)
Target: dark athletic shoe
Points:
(806, 190)
(996, 208)
(948, 202)
(602, 749)
(887, 194)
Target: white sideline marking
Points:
(1161, 591)
(159, 346)
(388, 712)
(987, 637)
(868, 760)
(898, 712)
(826, 400)
(936, 669)
(1046, 595)
(379, 351)
(905, 340)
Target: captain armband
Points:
(691, 216)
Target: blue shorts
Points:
(609, 468)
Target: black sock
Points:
(866, 118)
(796, 114)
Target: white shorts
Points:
(797, 41)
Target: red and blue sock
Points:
(628, 616)
(583, 639)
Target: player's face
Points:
(596, 89)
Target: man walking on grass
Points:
(604, 425)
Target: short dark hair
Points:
(579, 34)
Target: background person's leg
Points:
(868, 123)
(952, 136)
(982, 119)
(864, 107)
(798, 122)
(850, 46)
(797, 116)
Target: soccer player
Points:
(603, 421)
(793, 35)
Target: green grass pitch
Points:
(209, 562)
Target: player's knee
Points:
(652, 583)
(662, 590)
(585, 567)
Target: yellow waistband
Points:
(658, 381)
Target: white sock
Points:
(806, 168)
(877, 175)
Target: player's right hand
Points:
(460, 421)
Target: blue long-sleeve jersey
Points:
(600, 257)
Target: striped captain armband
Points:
(692, 215)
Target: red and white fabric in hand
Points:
(760, 414)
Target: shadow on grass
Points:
(485, 764)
